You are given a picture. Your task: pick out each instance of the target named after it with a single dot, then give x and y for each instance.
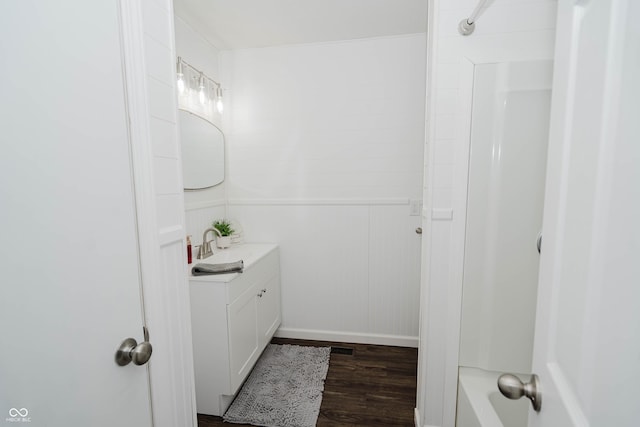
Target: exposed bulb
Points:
(180, 74)
(201, 93)
(219, 104)
(180, 84)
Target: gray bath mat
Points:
(284, 389)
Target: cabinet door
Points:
(268, 309)
(244, 344)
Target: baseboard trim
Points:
(417, 418)
(349, 337)
(321, 202)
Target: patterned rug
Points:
(284, 389)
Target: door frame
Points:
(441, 301)
(166, 309)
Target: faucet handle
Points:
(204, 250)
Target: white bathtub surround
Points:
(509, 130)
(500, 36)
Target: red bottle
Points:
(188, 249)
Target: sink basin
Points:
(247, 252)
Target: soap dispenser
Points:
(189, 256)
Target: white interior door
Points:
(69, 260)
(587, 344)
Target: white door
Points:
(587, 344)
(70, 290)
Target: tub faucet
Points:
(205, 248)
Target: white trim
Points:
(142, 173)
(348, 337)
(193, 206)
(416, 417)
(314, 202)
(424, 362)
(170, 402)
(170, 235)
(441, 214)
(451, 340)
(225, 46)
(565, 392)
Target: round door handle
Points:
(419, 230)
(512, 388)
(130, 351)
(539, 242)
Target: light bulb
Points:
(180, 74)
(219, 104)
(180, 84)
(201, 94)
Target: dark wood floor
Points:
(376, 386)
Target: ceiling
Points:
(238, 24)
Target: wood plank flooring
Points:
(375, 386)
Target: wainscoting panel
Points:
(200, 219)
(394, 271)
(329, 255)
(323, 261)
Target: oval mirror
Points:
(202, 152)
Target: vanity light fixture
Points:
(180, 74)
(205, 85)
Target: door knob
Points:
(419, 230)
(130, 351)
(512, 388)
(539, 242)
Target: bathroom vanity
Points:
(233, 318)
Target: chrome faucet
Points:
(205, 248)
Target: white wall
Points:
(331, 120)
(202, 206)
(508, 30)
(325, 152)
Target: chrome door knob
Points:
(512, 388)
(419, 230)
(130, 351)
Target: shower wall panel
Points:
(510, 123)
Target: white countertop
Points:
(247, 252)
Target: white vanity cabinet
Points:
(233, 318)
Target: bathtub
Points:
(480, 404)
